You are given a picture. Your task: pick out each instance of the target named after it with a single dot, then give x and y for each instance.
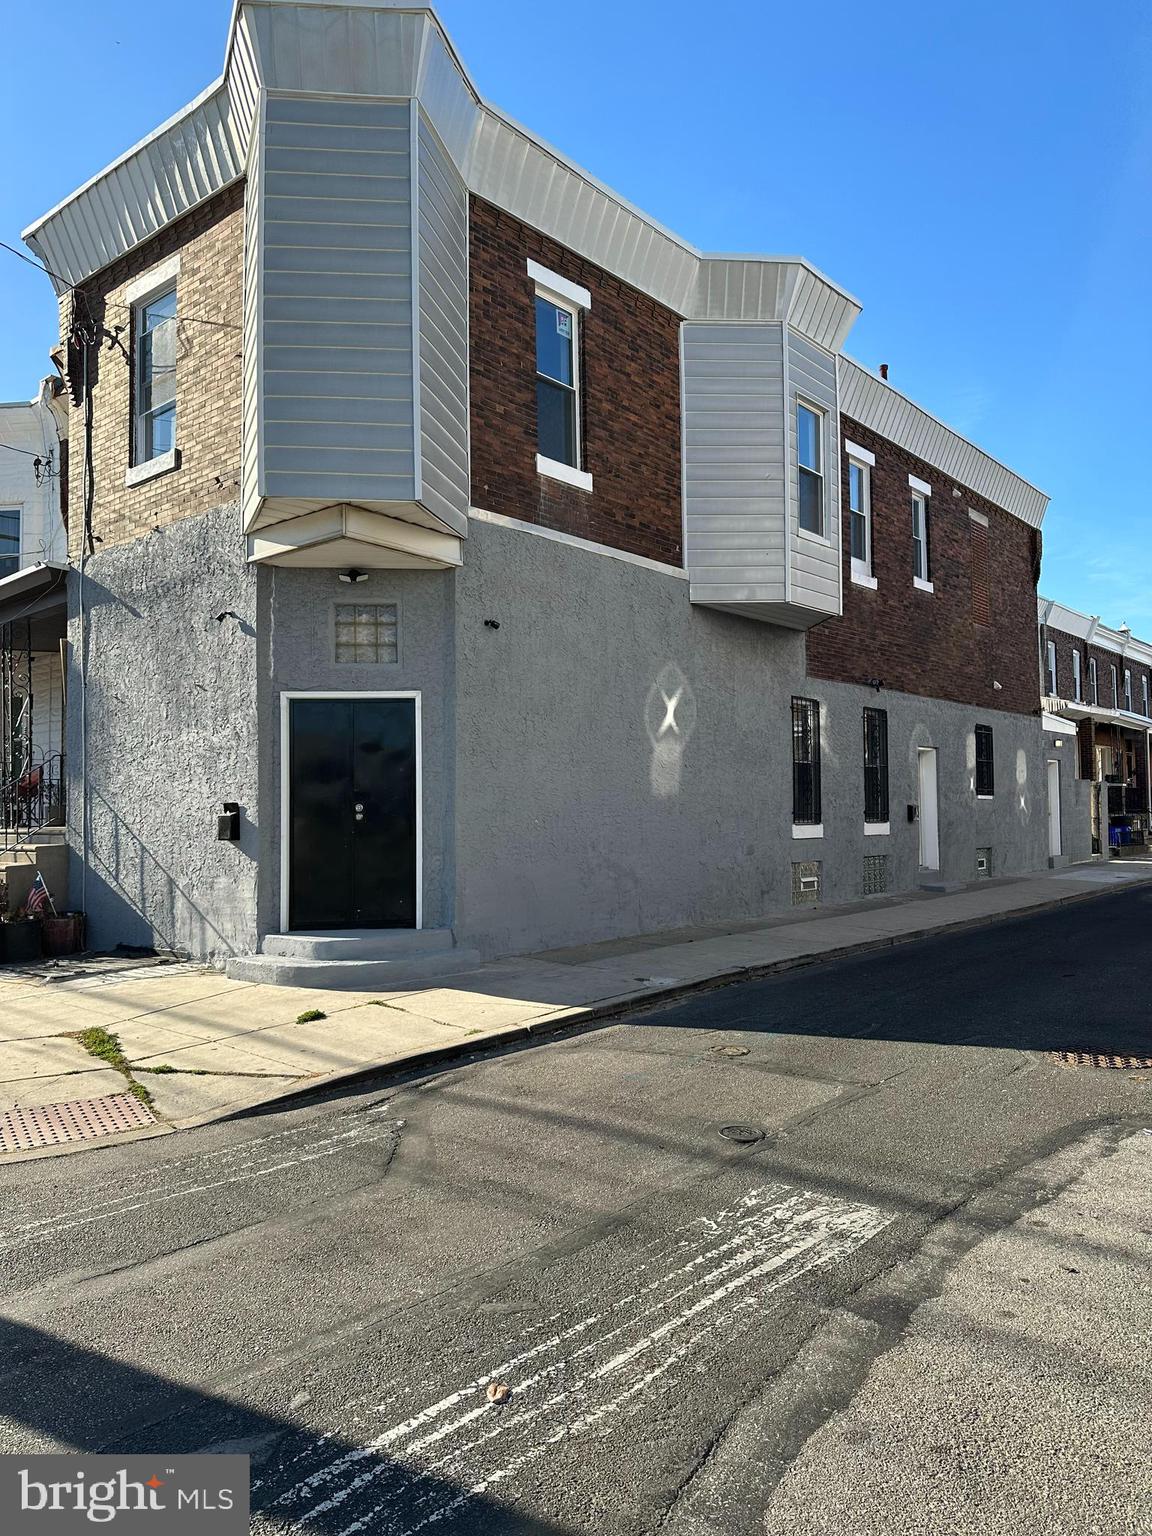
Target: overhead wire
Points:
(228, 325)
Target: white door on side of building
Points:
(1055, 847)
(929, 810)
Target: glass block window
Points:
(875, 873)
(366, 632)
(983, 863)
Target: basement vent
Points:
(875, 873)
(806, 883)
(983, 863)
(366, 632)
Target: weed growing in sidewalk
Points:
(309, 1015)
(106, 1047)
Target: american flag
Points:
(39, 901)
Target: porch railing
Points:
(32, 800)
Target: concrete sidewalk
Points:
(205, 1046)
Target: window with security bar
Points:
(806, 808)
(875, 765)
(985, 775)
(366, 632)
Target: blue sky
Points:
(979, 176)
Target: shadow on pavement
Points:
(58, 1395)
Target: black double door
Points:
(352, 813)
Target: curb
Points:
(625, 1005)
(575, 1019)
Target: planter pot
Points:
(19, 942)
(63, 935)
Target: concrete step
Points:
(358, 943)
(361, 975)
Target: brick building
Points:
(462, 560)
(1096, 682)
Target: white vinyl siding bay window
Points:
(560, 305)
(860, 464)
(810, 469)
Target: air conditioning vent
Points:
(806, 883)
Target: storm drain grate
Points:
(1100, 1059)
(50, 1125)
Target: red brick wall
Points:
(1105, 660)
(934, 643)
(630, 373)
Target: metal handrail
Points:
(32, 799)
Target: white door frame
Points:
(929, 814)
(1055, 830)
(286, 788)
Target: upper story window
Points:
(985, 772)
(1115, 687)
(1128, 689)
(9, 541)
(875, 765)
(1051, 649)
(860, 464)
(921, 552)
(1093, 682)
(154, 345)
(560, 307)
(806, 804)
(1144, 692)
(1077, 677)
(810, 467)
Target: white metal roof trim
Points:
(877, 405)
(167, 175)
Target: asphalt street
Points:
(676, 1250)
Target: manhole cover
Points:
(1100, 1059)
(742, 1133)
(729, 1050)
(50, 1125)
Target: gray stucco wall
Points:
(171, 735)
(297, 627)
(580, 818)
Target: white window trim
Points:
(861, 570)
(978, 517)
(1093, 681)
(149, 285)
(1077, 678)
(155, 281)
(877, 829)
(1128, 690)
(924, 492)
(821, 416)
(807, 829)
(1144, 694)
(560, 287)
(555, 470)
(148, 469)
(1051, 676)
(12, 505)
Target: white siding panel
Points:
(442, 245)
(876, 404)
